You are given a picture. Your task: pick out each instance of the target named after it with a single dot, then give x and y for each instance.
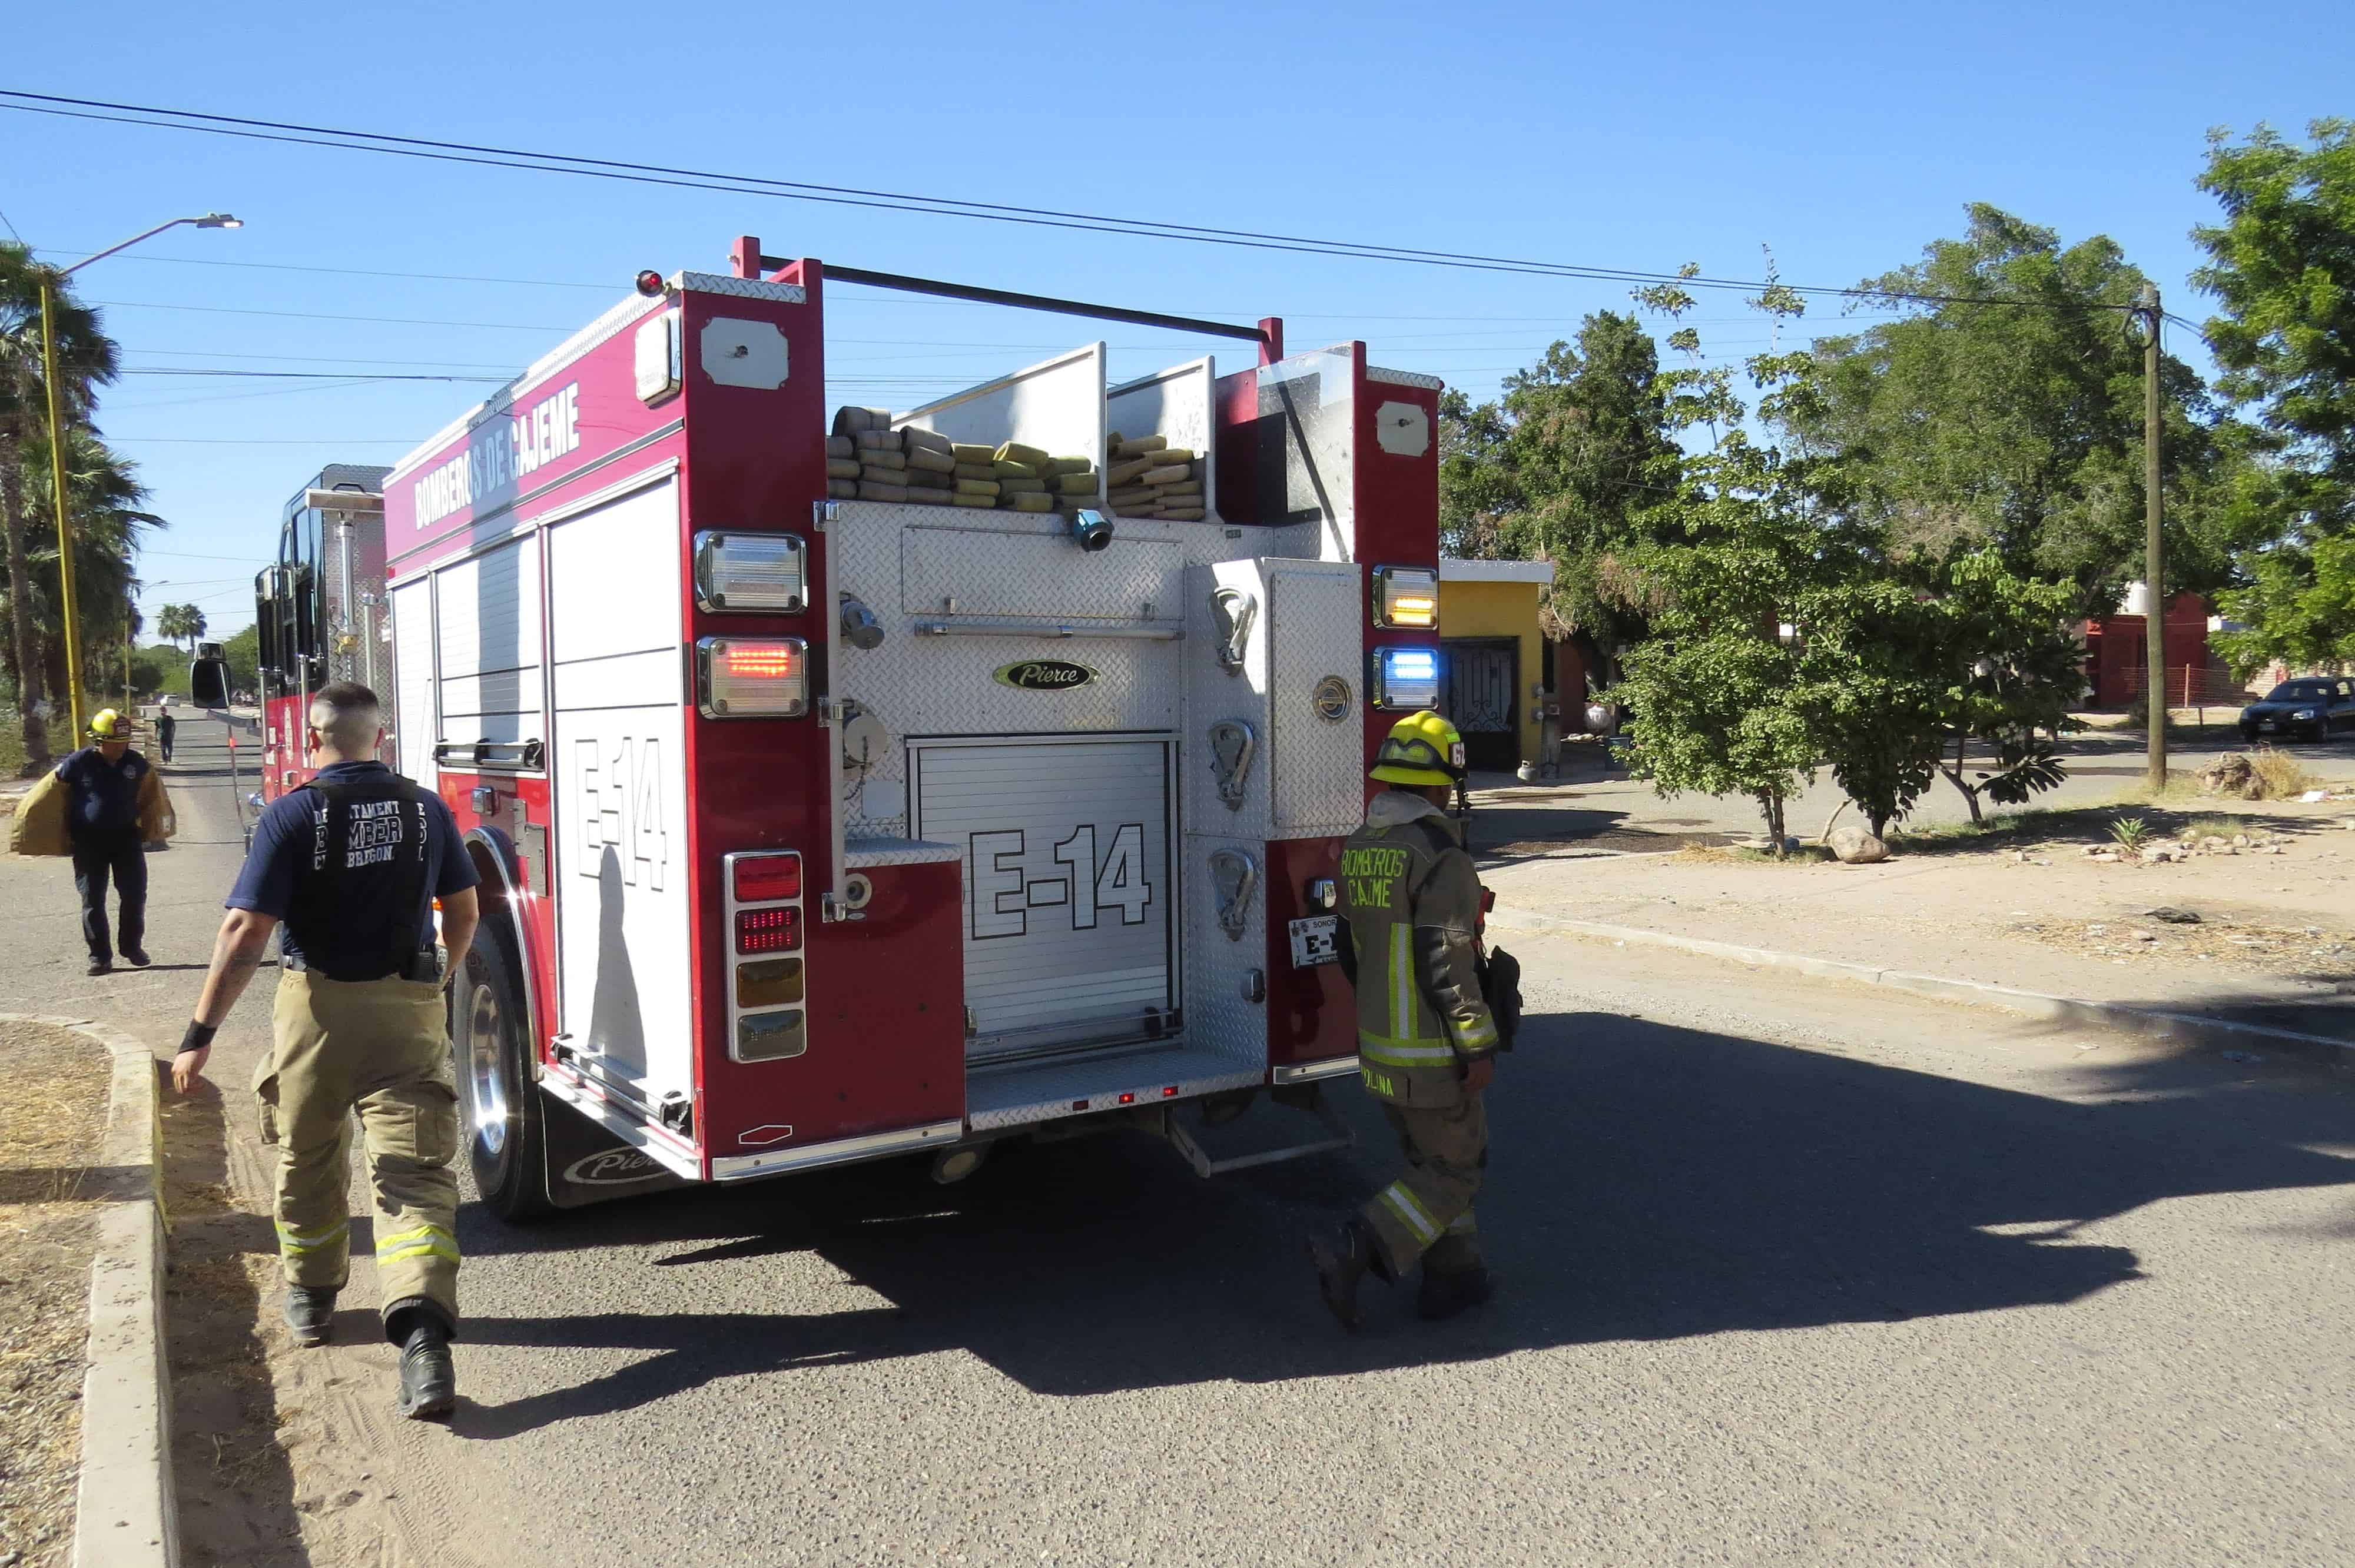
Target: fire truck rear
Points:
(816, 829)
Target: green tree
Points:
(243, 654)
(86, 359)
(2282, 266)
(2017, 426)
(149, 675)
(1564, 466)
(1724, 563)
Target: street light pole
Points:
(2154, 564)
(49, 282)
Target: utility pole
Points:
(71, 625)
(2154, 563)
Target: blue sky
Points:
(1844, 137)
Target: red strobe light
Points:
(768, 879)
(768, 930)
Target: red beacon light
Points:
(768, 930)
(768, 879)
(650, 283)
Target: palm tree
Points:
(103, 494)
(180, 621)
(86, 359)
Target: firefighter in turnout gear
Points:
(352, 862)
(1426, 1040)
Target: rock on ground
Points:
(1858, 846)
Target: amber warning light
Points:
(752, 677)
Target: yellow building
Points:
(1493, 658)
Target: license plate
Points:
(1316, 940)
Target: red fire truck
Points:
(815, 831)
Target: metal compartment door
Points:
(1068, 885)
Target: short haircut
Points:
(349, 715)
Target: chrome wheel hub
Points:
(486, 1080)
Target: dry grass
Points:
(50, 1120)
(2283, 775)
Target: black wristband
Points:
(198, 1036)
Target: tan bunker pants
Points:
(1427, 1212)
(379, 1048)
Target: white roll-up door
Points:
(413, 722)
(490, 644)
(1068, 886)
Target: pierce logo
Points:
(1044, 676)
(613, 1168)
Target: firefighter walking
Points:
(113, 806)
(1426, 1039)
(351, 863)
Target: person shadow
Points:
(617, 1029)
(1649, 1181)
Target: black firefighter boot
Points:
(310, 1313)
(1446, 1292)
(428, 1383)
(1342, 1263)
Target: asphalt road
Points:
(1793, 1273)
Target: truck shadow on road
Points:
(1648, 1182)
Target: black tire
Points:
(2248, 736)
(506, 1138)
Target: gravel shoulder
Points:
(50, 1121)
(2274, 943)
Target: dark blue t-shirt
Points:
(360, 934)
(102, 799)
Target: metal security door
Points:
(1068, 886)
(1480, 697)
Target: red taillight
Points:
(768, 879)
(768, 930)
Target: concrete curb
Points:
(2187, 1027)
(125, 1515)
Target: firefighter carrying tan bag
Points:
(38, 828)
(39, 825)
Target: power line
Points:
(319, 359)
(298, 135)
(354, 378)
(260, 441)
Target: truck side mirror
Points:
(208, 682)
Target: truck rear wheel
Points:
(506, 1130)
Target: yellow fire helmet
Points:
(108, 725)
(1422, 749)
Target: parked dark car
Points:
(2311, 706)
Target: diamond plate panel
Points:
(917, 685)
(1213, 694)
(1304, 777)
(1217, 1018)
(1316, 766)
(739, 288)
(948, 572)
(1404, 379)
(1015, 1096)
(858, 853)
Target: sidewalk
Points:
(2274, 943)
(235, 1487)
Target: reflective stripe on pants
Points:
(1427, 1212)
